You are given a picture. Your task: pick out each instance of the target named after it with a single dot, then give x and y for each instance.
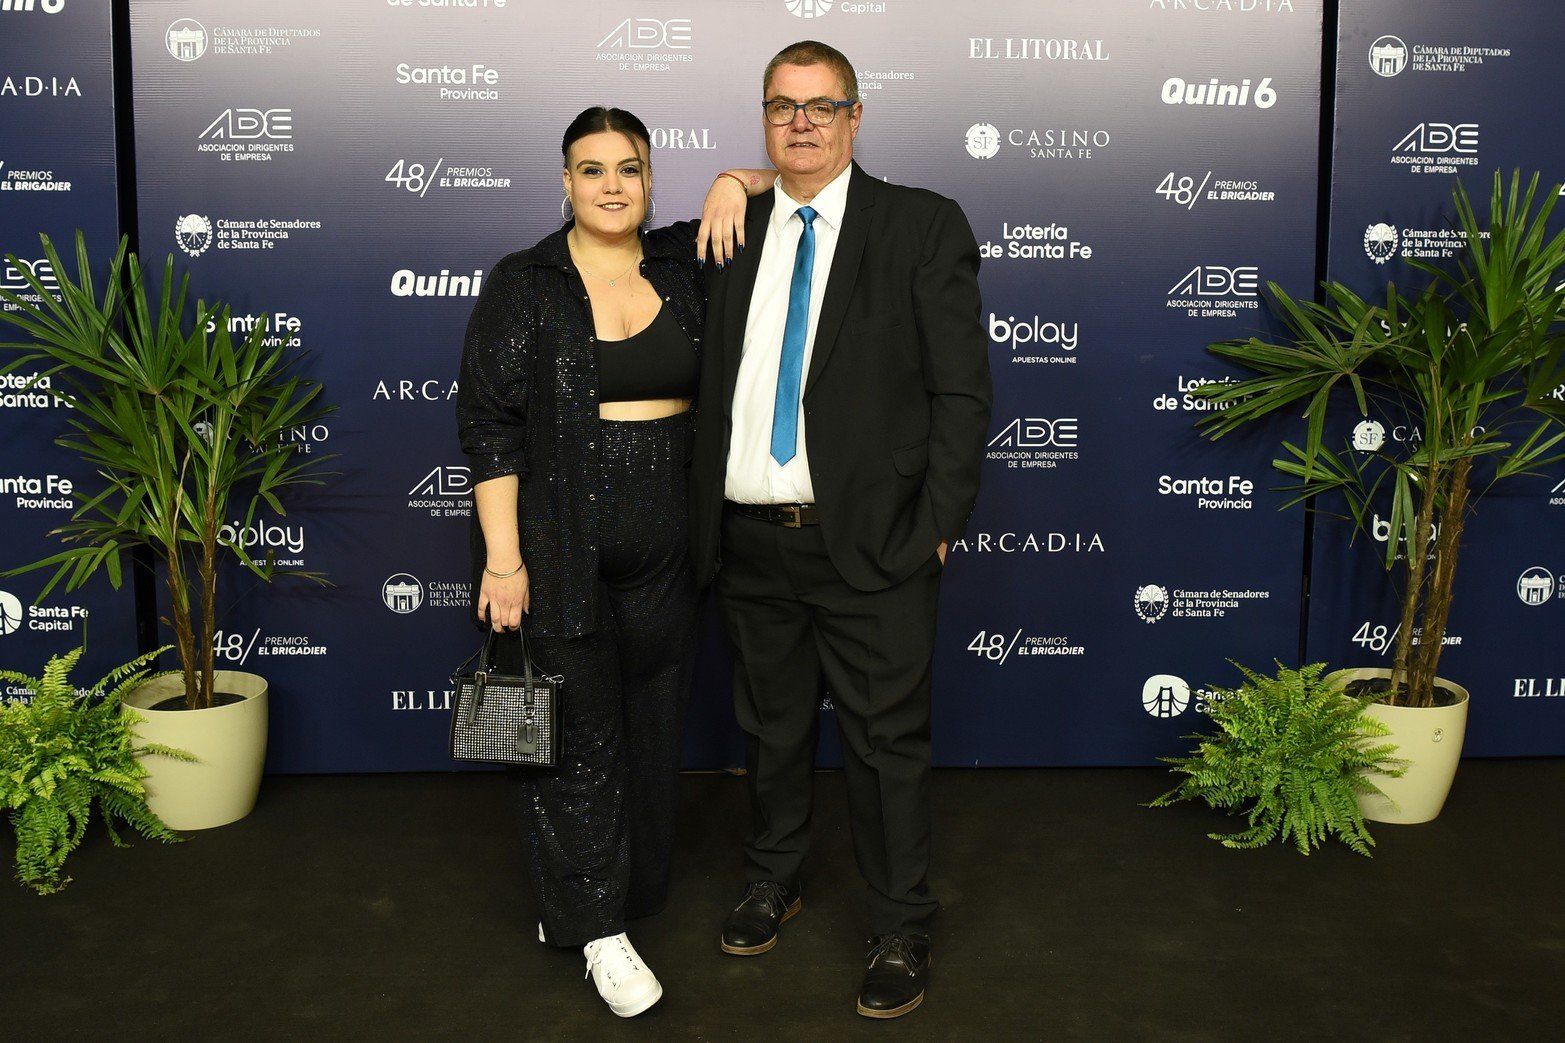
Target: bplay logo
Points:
(983, 140)
(10, 613)
(263, 536)
(1032, 333)
(1151, 602)
(193, 233)
(402, 593)
(1380, 242)
(1165, 695)
(1535, 586)
(1387, 56)
(186, 40)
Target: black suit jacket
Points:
(897, 397)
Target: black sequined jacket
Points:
(527, 404)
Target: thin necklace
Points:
(633, 262)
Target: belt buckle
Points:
(795, 516)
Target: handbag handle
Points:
(486, 664)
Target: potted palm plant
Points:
(65, 750)
(183, 424)
(1473, 362)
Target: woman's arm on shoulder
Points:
(722, 215)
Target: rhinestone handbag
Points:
(502, 718)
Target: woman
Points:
(578, 375)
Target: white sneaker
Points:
(623, 981)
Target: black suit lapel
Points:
(740, 284)
(844, 270)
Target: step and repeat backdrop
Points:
(1134, 172)
(57, 175)
(1427, 94)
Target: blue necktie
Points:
(790, 368)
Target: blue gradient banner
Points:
(1134, 171)
(57, 176)
(1426, 95)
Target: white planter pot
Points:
(229, 743)
(1428, 737)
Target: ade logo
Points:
(650, 34)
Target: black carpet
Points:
(389, 908)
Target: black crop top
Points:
(658, 362)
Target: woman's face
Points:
(607, 181)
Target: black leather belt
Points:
(788, 515)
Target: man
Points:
(844, 407)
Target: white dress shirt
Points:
(753, 476)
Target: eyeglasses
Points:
(821, 111)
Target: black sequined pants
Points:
(599, 829)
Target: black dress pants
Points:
(599, 828)
(799, 629)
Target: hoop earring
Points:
(566, 211)
(652, 211)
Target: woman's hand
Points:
(504, 600)
(722, 219)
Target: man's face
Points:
(801, 150)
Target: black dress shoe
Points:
(752, 926)
(895, 978)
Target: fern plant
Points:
(1294, 750)
(64, 749)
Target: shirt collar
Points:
(829, 204)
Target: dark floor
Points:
(388, 908)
